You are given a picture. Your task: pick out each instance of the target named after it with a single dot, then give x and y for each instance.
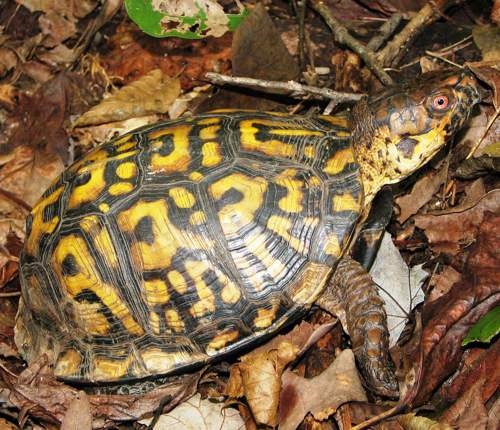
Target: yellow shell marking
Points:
(87, 278)
(126, 170)
(337, 120)
(210, 132)
(211, 154)
(282, 227)
(68, 363)
(332, 246)
(265, 317)
(92, 321)
(230, 293)
(274, 148)
(292, 202)
(174, 320)
(209, 121)
(40, 227)
(310, 151)
(178, 160)
(158, 361)
(197, 218)
(156, 292)
(222, 340)
(234, 216)
(206, 303)
(346, 202)
(166, 237)
(120, 188)
(154, 322)
(100, 238)
(91, 190)
(182, 197)
(109, 369)
(339, 161)
(195, 176)
(104, 207)
(177, 281)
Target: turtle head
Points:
(400, 129)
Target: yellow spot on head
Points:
(126, 170)
(120, 188)
(182, 197)
(222, 340)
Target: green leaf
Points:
(485, 329)
(150, 20)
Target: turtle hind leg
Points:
(352, 295)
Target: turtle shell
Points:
(184, 241)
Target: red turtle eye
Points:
(440, 102)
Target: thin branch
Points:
(385, 31)
(294, 89)
(396, 48)
(342, 36)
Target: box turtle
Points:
(188, 240)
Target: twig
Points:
(440, 57)
(389, 413)
(342, 35)
(384, 32)
(395, 49)
(12, 294)
(294, 89)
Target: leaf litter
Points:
(39, 101)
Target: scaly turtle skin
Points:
(179, 243)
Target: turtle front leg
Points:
(352, 295)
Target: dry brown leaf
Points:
(7, 94)
(153, 93)
(321, 395)
(420, 194)
(258, 375)
(487, 39)
(199, 414)
(7, 425)
(413, 422)
(442, 282)
(78, 415)
(458, 224)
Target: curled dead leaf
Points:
(150, 94)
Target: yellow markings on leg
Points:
(222, 340)
(177, 281)
(91, 190)
(234, 216)
(346, 202)
(39, 226)
(68, 363)
(230, 293)
(182, 197)
(332, 246)
(282, 226)
(101, 239)
(197, 218)
(211, 154)
(72, 250)
(206, 302)
(265, 317)
(126, 170)
(156, 292)
(292, 202)
(338, 162)
(174, 321)
(178, 160)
